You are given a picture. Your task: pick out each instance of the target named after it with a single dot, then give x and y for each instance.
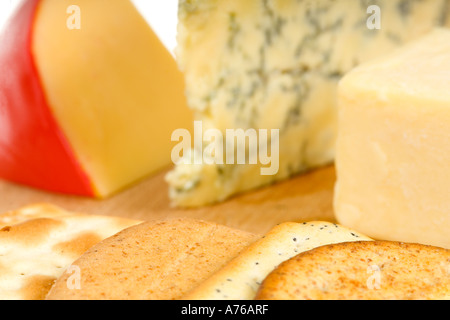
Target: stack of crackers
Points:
(49, 253)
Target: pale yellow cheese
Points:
(393, 149)
(114, 89)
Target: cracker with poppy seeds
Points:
(241, 278)
(156, 260)
(376, 270)
(38, 242)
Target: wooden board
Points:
(302, 198)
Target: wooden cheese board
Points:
(305, 197)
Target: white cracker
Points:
(38, 242)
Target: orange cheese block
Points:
(89, 97)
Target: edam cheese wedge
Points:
(393, 149)
(89, 97)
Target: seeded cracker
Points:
(240, 279)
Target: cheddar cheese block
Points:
(89, 97)
(275, 64)
(393, 147)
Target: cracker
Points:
(240, 279)
(156, 260)
(378, 270)
(39, 241)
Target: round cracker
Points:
(241, 278)
(156, 260)
(378, 270)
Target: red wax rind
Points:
(33, 148)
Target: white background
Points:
(160, 14)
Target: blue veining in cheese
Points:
(275, 64)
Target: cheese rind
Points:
(33, 148)
(393, 146)
(275, 64)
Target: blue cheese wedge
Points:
(275, 64)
